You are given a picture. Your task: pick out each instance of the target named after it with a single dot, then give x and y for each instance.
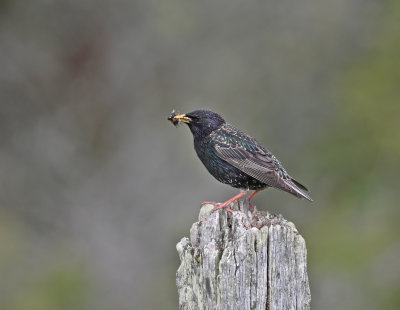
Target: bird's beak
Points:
(175, 119)
(182, 118)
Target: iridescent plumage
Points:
(235, 158)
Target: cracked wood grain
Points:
(242, 261)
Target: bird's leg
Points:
(225, 204)
(251, 197)
(216, 205)
(210, 203)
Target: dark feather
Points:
(300, 185)
(233, 157)
(248, 155)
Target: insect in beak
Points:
(175, 119)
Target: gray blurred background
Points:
(96, 187)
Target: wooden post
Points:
(242, 261)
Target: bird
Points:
(235, 158)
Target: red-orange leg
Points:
(228, 202)
(209, 203)
(251, 197)
(216, 205)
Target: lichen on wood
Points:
(242, 261)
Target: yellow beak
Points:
(175, 119)
(182, 118)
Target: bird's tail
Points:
(297, 189)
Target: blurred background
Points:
(96, 187)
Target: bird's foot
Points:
(218, 206)
(209, 203)
(228, 202)
(224, 205)
(250, 198)
(251, 207)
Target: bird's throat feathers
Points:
(204, 122)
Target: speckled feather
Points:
(235, 158)
(225, 172)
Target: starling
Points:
(235, 158)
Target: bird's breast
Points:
(222, 170)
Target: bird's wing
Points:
(248, 155)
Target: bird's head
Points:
(200, 122)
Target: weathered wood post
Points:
(242, 261)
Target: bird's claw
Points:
(217, 206)
(209, 203)
(251, 207)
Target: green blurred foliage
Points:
(61, 289)
(52, 283)
(361, 156)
